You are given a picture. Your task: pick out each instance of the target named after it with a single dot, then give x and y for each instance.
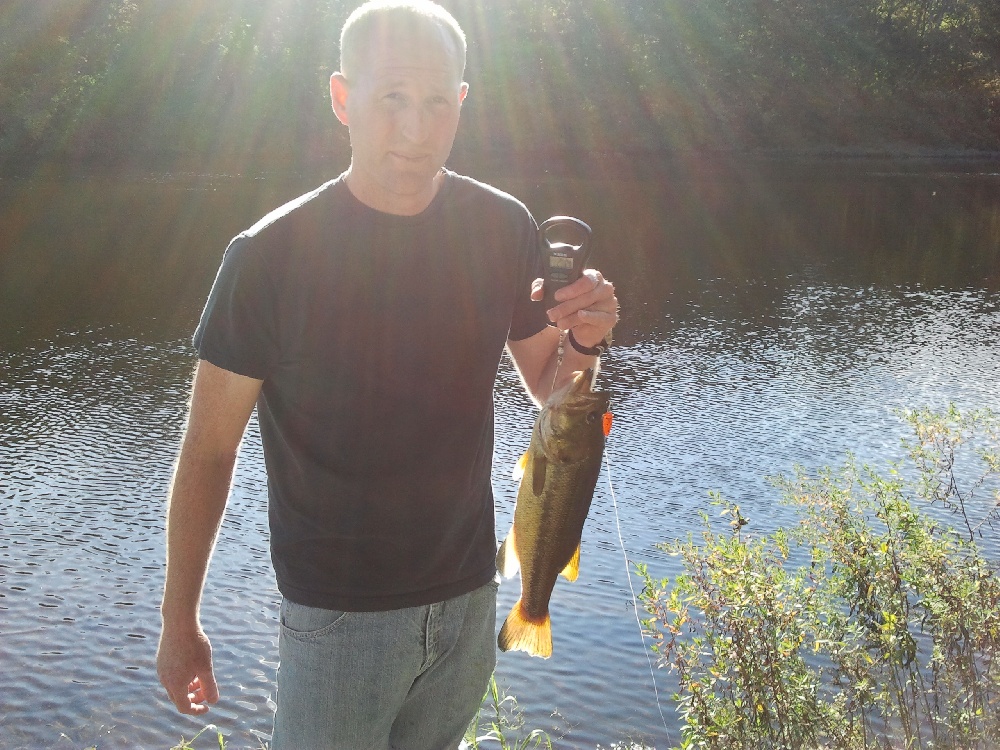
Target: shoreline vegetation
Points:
(243, 85)
(622, 165)
(874, 623)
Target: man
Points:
(366, 321)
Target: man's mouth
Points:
(413, 158)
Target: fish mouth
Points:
(582, 390)
(582, 386)
(583, 381)
(573, 407)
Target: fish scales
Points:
(560, 471)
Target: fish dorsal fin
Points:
(572, 569)
(519, 467)
(539, 465)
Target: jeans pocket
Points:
(302, 622)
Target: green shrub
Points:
(871, 624)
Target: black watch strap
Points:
(591, 351)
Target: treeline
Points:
(223, 81)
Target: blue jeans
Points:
(411, 679)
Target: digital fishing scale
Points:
(565, 245)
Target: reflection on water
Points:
(765, 325)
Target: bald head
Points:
(410, 23)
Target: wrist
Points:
(588, 349)
(180, 615)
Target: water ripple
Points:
(737, 386)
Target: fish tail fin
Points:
(519, 633)
(507, 561)
(572, 569)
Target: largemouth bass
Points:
(558, 475)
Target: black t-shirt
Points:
(378, 339)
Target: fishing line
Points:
(635, 601)
(561, 352)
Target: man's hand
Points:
(588, 306)
(184, 666)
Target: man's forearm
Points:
(196, 503)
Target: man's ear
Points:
(463, 92)
(338, 96)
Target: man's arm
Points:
(590, 308)
(221, 404)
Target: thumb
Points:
(209, 687)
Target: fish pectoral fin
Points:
(539, 465)
(520, 633)
(519, 467)
(507, 561)
(572, 569)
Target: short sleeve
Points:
(529, 317)
(236, 330)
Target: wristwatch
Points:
(591, 351)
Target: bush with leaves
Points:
(883, 632)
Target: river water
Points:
(770, 318)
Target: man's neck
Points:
(391, 203)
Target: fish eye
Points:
(591, 417)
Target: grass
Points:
(501, 721)
(189, 744)
(499, 724)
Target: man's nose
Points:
(415, 124)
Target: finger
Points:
(203, 689)
(196, 693)
(195, 709)
(186, 703)
(589, 280)
(194, 700)
(600, 320)
(193, 705)
(537, 289)
(176, 693)
(600, 299)
(586, 296)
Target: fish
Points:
(558, 474)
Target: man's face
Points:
(402, 108)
